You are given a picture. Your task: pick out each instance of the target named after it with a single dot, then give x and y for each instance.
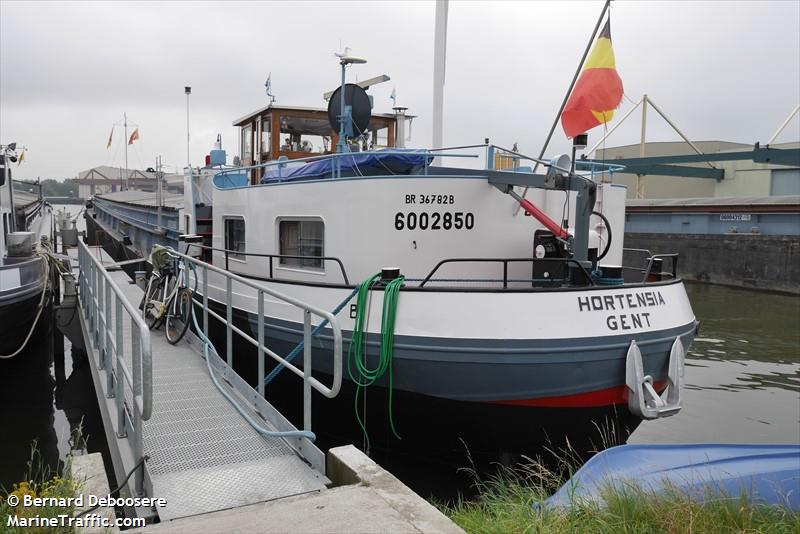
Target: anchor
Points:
(643, 400)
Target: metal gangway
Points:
(168, 425)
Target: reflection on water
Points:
(742, 376)
(50, 401)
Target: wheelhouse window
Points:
(302, 243)
(266, 140)
(247, 144)
(304, 134)
(235, 237)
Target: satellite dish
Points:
(358, 100)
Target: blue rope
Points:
(280, 367)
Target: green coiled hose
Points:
(357, 367)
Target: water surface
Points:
(742, 376)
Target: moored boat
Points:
(23, 273)
(511, 330)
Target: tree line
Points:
(50, 188)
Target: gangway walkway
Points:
(201, 454)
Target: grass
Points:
(506, 503)
(40, 481)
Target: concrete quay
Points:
(364, 498)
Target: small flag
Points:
(393, 96)
(268, 84)
(21, 158)
(108, 145)
(134, 136)
(598, 91)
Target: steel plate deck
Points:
(204, 456)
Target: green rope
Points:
(357, 367)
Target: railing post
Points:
(138, 450)
(505, 274)
(136, 360)
(205, 300)
(97, 296)
(119, 341)
(136, 416)
(106, 333)
(260, 342)
(229, 320)
(306, 370)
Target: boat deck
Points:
(202, 454)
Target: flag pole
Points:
(572, 83)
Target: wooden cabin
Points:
(297, 132)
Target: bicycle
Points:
(168, 298)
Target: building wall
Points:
(713, 223)
(748, 261)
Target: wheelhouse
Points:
(298, 132)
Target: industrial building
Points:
(734, 178)
(105, 179)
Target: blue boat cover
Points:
(373, 163)
(767, 474)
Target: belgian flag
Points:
(598, 91)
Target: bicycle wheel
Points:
(178, 315)
(152, 305)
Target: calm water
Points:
(742, 384)
(742, 376)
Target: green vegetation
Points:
(50, 188)
(506, 504)
(40, 482)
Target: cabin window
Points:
(303, 134)
(303, 241)
(265, 138)
(380, 138)
(247, 143)
(235, 237)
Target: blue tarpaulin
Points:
(385, 162)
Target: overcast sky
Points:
(69, 70)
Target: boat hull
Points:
(17, 317)
(515, 397)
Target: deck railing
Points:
(555, 262)
(105, 307)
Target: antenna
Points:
(345, 59)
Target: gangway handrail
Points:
(96, 290)
(262, 290)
